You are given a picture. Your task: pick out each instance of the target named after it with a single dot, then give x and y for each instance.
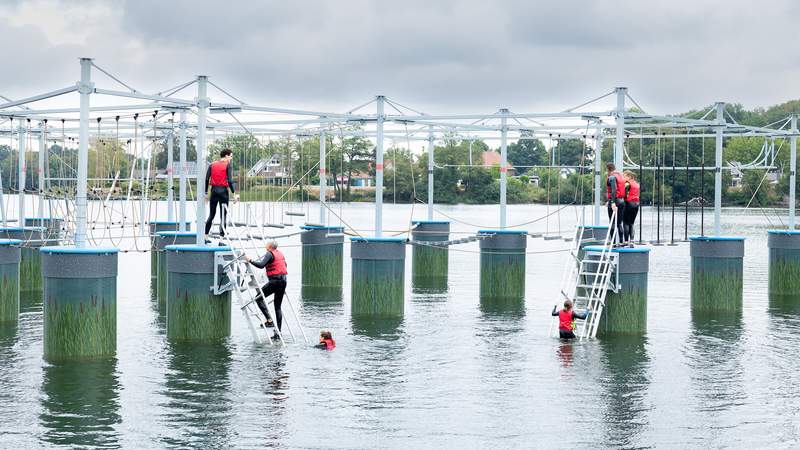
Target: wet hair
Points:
(225, 152)
(567, 304)
(325, 334)
(630, 174)
(611, 167)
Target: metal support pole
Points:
(792, 171)
(323, 181)
(430, 172)
(2, 198)
(503, 165)
(718, 168)
(40, 170)
(21, 168)
(200, 143)
(379, 168)
(182, 168)
(142, 219)
(598, 167)
(85, 88)
(619, 143)
(170, 179)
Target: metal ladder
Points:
(586, 281)
(246, 287)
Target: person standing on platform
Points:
(275, 264)
(615, 192)
(219, 178)
(631, 206)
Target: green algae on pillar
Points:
(625, 310)
(717, 271)
(194, 311)
(502, 277)
(429, 264)
(80, 302)
(30, 266)
(162, 240)
(378, 277)
(9, 279)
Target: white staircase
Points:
(586, 281)
(245, 286)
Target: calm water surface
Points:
(448, 375)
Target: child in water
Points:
(566, 320)
(326, 340)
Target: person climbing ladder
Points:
(631, 206)
(615, 192)
(219, 178)
(275, 264)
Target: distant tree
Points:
(527, 152)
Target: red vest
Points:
(633, 191)
(620, 185)
(219, 173)
(565, 321)
(278, 264)
(330, 344)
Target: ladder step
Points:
(297, 214)
(551, 238)
(275, 225)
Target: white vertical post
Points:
(40, 168)
(323, 181)
(598, 167)
(430, 172)
(379, 168)
(619, 143)
(142, 218)
(792, 171)
(21, 168)
(503, 165)
(718, 168)
(182, 168)
(85, 88)
(2, 199)
(170, 181)
(200, 143)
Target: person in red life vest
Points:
(219, 178)
(631, 206)
(326, 340)
(615, 192)
(566, 320)
(275, 264)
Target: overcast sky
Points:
(468, 56)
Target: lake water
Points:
(448, 375)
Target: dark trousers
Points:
(628, 219)
(277, 287)
(219, 196)
(620, 214)
(566, 334)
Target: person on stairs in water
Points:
(275, 264)
(615, 192)
(631, 206)
(566, 320)
(219, 178)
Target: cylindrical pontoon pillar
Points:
(30, 266)
(155, 228)
(503, 268)
(52, 227)
(784, 263)
(9, 279)
(163, 239)
(322, 262)
(378, 277)
(194, 311)
(717, 268)
(625, 311)
(80, 302)
(429, 264)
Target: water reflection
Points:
(80, 406)
(625, 382)
(503, 307)
(713, 352)
(30, 301)
(321, 295)
(784, 305)
(199, 409)
(383, 328)
(8, 336)
(428, 285)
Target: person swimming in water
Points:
(326, 340)
(566, 319)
